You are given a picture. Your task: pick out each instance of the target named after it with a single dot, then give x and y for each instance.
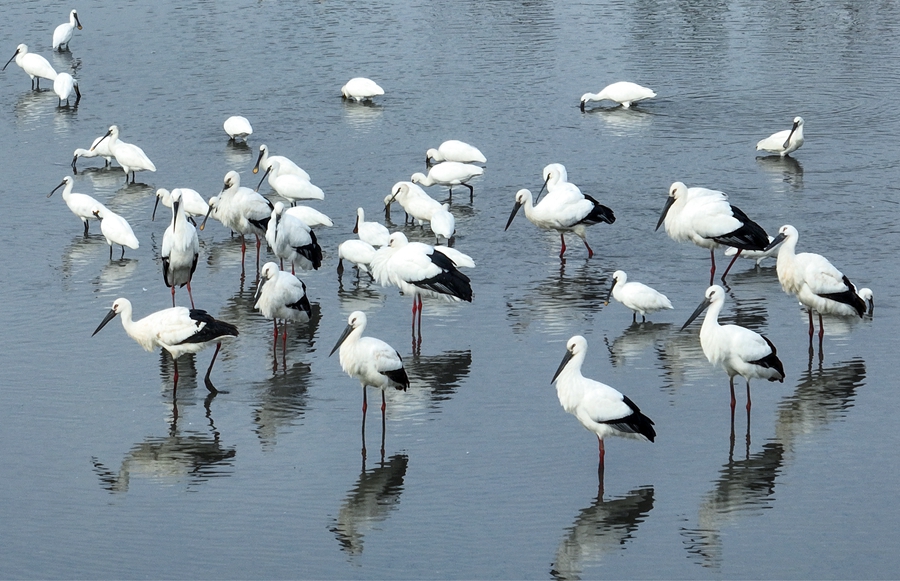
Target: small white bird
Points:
(291, 187)
(637, 296)
(285, 165)
(449, 173)
(358, 252)
(414, 200)
(309, 216)
(281, 296)
(370, 360)
(64, 85)
(622, 92)
(784, 142)
(34, 65)
(99, 148)
(443, 224)
(191, 201)
(454, 150)
(63, 33)
(371, 232)
(556, 180)
(177, 330)
(738, 350)
(82, 205)
(816, 283)
(238, 127)
(180, 249)
(292, 240)
(131, 157)
(115, 229)
(361, 89)
(600, 408)
(757, 255)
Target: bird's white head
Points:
(121, 305)
(232, 180)
(417, 177)
(397, 240)
(356, 320)
(577, 345)
(786, 232)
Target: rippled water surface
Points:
(483, 474)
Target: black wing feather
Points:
(213, 330)
(636, 423)
(750, 236)
(599, 213)
(771, 361)
(848, 297)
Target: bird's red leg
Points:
(821, 328)
(812, 328)
(562, 239)
(590, 252)
(175, 382)
(748, 397)
(733, 400)
(602, 451)
(173, 295)
(383, 403)
(730, 264)
(257, 252)
(190, 294)
(365, 403)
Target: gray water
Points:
(484, 475)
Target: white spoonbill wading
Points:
(622, 92)
(82, 205)
(99, 148)
(309, 216)
(285, 165)
(177, 330)
(238, 127)
(637, 296)
(361, 89)
(292, 240)
(358, 252)
(131, 157)
(454, 150)
(563, 214)
(281, 296)
(34, 65)
(738, 350)
(418, 269)
(291, 187)
(115, 229)
(705, 217)
(371, 232)
(64, 85)
(191, 201)
(180, 249)
(600, 408)
(816, 283)
(784, 142)
(449, 173)
(443, 224)
(63, 33)
(414, 200)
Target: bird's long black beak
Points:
(59, 186)
(74, 159)
(155, 205)
(108, 133)
(568, 356)
(609, 294)
(696, 313)
(256, 165)
(263, 178)
(787, 141)
(10, 60)
(669, 201)
(538, 197)
(775, 242)
(205, 218)
(109, 317)
(78, 22)
(512, 215)
(356, 226)
(77, 94)
(343, 337)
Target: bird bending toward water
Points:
(623, 92)
(784, 142)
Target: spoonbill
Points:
(309, 216)
(292, 240)
(449, 173)
(637, 296)
(371, 232)
(34, 65)
(82, 205)
(419, 270)
(556, 180)
(738, 350)
(238, 127)
(242, 210)
(285, 165)
(415, 201)
(289, 186)
(784, 142)
(180, 249)
(817, 284)
(281, 296)
(176, 329)
(600, 408)
(622, 92)
(563, 215)
(192, 202)
(443, 224)
(361, 89)
(63, 33)
(99, 148)
(705, 217)
(115, 229)
(131, 157)
(358, 252)
(64, 85)
(454, 150)
(868, 296)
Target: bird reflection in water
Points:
(190, 457)
(375, 496)
(361, 115)
(280, 402)
(599, 529)
(744, 488)
(783, 170)
(561, 300)
(622, 122)
(433, 379)
(634, 340)
(187, 378)
(238, 153)
(360, 295)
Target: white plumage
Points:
(449, 173)
(63, 33)
(361, 89)
(784, 142)
(358, 252)
(242, 210)
(371, 232)
(82, 205)
(455, 150)
(64, 85)
(292, 240)
(34, 65)
(192, 202)
(309, 216)
(180, 249)
(443, 224)
(622, 92)
(115, 229)
(285, 165)
(289, 186)
(238, 127)
(637, 296)
(414, 200)
(281, 296)
(99, 148)
(131, 157)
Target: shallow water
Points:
(484, 475)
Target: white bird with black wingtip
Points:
(180, 249)
(281, 295)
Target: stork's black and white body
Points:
(178, 330)
(600, 408)
(292, 240)
(242, 210)
(816, 283)
(281, 296)
(706, 218)
(180, 249)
